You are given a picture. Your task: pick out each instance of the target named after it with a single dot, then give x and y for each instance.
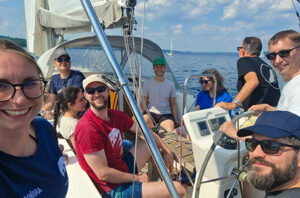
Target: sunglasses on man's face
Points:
(238, 48)
(100, 89)
(267, 146)
(66, 59)
(204, 81)
(282, 53)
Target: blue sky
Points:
(195, 25)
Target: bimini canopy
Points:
(88, 56)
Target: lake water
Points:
(186, 64)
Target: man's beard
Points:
(275, 178)
(100, 107)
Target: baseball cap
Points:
(274, 124)
(60, 52)
(93, 78)
(159, 61)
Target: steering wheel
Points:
(237, 173)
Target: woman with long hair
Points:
(31, 164)
(70, 102)
(205, 97)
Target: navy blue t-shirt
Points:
(42, 174)
(75, 79)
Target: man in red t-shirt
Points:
(99, 148)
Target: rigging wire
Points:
(297, 13)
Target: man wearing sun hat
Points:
(159, 95)
(98, 144)
(65, 78)
(274, 157)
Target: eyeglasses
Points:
(204, 81)
(268, 146)
(238, 48)
(31, 89)
(100, 89)
(66, 59)
(282, 53)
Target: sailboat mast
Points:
(124, 84)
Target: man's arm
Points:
(98, 163)
(174, 108)
(250, 85)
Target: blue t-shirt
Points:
(205, 101)
(42, 174)
(75, 79)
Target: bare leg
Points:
(148, 121)
(160, 190)
(142, 154)
(169, 125)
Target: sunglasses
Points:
(267, 146)
(204, 81)
(100, 89)
(66, 60)
(238, 48)
(282, 53)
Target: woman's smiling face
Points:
(19, 111)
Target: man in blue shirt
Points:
(65, 78)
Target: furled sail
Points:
(48, 21)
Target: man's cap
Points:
(159, 61)
(60, 52)
(93, 78)
(274, 124)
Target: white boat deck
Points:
(80, 184)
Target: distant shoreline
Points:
(19, 41)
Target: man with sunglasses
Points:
(257, 81)
(274, 157)
(65, 78)
(284, 54)
(99, 148)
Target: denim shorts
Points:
(128, 189)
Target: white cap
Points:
(60, 52)
(93, 78)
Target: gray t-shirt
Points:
(288, 193)
(159, 94)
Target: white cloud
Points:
(153, 9)
(252, 8)
(177, 29)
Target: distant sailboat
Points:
(171, 49)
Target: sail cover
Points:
(69, 15)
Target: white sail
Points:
(171, 49)
(48, 21)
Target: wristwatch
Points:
(237, 102)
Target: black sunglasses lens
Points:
(284, 53)
(101, 88)
(271, 56)
(251, 144)
(204, 81)
(270, 147)
(90, 90)
(66, 60)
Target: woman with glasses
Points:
(205, 97)
(70, 102)
(31, 163)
